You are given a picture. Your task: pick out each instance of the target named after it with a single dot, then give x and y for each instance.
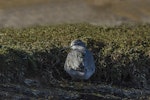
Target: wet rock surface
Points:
(69, 91)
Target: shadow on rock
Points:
(46, 66)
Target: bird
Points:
(79, 63)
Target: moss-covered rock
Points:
(122, 53)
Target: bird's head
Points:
(77, 44)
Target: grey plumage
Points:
(79, 62)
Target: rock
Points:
(32, 83)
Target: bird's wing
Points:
(74, 60)
(89, 61)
